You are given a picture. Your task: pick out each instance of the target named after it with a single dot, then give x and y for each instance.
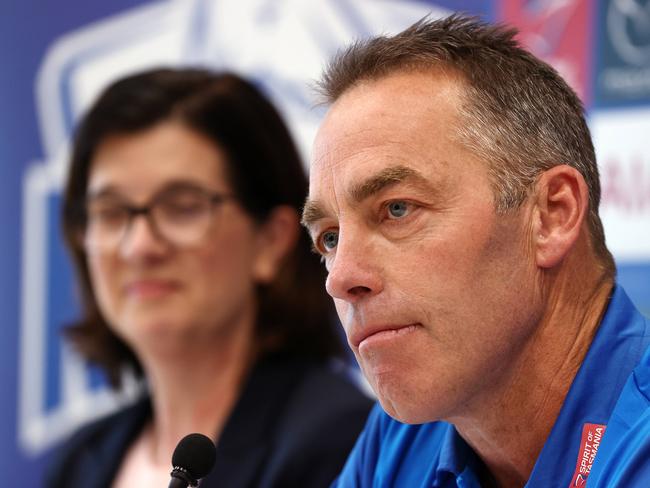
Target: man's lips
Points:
(367, 334)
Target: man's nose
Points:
(141, 241)
(354, 272)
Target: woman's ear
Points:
(276, 238)
(561, 206)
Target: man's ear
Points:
(562, 202)
(276, 238)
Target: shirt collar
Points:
(615, 350)
(457, 461)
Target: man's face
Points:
(434, 289)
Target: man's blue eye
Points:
(329, 240)
(398, 209)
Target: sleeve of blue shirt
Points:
(359, 468)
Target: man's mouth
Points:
(381, 333)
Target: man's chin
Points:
(407, 413)
(406, 406)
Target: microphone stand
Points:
(181, 479)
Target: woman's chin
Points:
(155, 330)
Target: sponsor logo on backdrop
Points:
(620, 138)
(557, 31)
(281, 45)
(624, 55)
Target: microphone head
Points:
(195, 453)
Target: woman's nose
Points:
(141, 240)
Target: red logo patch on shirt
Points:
(592, 435)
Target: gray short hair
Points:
(518, 114)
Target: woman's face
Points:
(154, 292)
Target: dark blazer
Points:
(293, 426)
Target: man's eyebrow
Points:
(311, 212)
(384, 179)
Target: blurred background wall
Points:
(56, 56)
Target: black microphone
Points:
(192, 460)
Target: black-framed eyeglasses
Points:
(181, 215)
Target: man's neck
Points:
(510, 426)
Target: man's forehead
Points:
(355, 170)
(385, 118)
(389, 109)
(404, 119)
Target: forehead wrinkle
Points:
(386, 178)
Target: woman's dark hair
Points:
(264, 169)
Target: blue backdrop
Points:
(56, 56)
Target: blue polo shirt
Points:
(602, 433)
